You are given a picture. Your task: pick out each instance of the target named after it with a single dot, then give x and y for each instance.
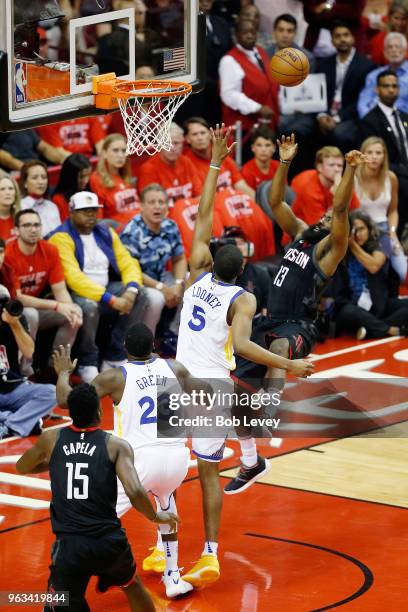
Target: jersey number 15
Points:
(81, 491)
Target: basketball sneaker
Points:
(205, 571)
(247, 476)
(155, 562)
(175, 585)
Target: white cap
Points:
(84, 199)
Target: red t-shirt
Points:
(33, 273)
(254, 176)
(237, 208)
(7, 229)
(120, 202)
(184, 213)
(63, 205)
(180, 181)
(76, 135)
(312, 199)
(228, 176)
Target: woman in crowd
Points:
(111, 181)
(74, 176)
(34, 188)
(377, 190)
(9, 206)
(366, 303)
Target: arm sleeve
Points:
(50, 134)
(129, 267)
(76, 280)
(56, 270)
(97, 130)
(231, 76)
(367, 97)
(147, 175)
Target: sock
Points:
(210, 548)
(249, 455)
(159, 543)
(171, 555)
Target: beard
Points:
(315, 233)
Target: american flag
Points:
(173, 59)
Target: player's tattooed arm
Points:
(332, 249)
(282, 213)
(200, 258)
(64, 368)
(188, 382)
(242, 313)
(121, 453)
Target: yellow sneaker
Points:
(205, 571)
(155, 562)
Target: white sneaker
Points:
(107, 365)
(361, 333)
(87, 373)
(175, 585)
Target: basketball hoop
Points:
(147, 109)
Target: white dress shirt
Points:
(388, 110)
(231, 78)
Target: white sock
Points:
(210, 548)
(171, 556)
(159, 543)
(249, 455)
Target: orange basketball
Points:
(289, 67)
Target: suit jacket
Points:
(218, 43)
(353, 82)
(375, 123)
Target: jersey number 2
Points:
(145, 419)
(280, 277)
(197, 322)
(75, 492)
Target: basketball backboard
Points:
(48, 57)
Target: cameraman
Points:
(22, 404)
(254, 277)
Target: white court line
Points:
(356, 347)
(24, 502)
(25, 481)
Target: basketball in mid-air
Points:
(289, 67)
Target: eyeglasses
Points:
(30, 225)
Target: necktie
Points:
(401, 142)
(259, 60)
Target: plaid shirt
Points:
(152, 250)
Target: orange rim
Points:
(137, 89)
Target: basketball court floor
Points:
(326, 529)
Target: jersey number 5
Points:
(145, 419)
(197, 322)
(76, 492)
(280, 277)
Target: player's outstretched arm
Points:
(187, 381)
(36, 459)
(200, 258)
(64, 368)
(282, 213)
(332, 249)
(125, 470)
(243, 311)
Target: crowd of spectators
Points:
(103, 240)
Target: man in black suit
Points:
(207, 103)
(390, 124)
(345, 76)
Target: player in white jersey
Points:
(216, 320)
(161, 462)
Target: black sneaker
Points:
(403, 330)
(247, 476)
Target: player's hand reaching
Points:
(220, 148)
(287, 147)
(355, 158)
(302, 368)
(62, 360)
(167, 518)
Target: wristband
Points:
(180, 281)
(112, 301)
(214, 167)
(393, 228)
(285, 161)
(159, 286)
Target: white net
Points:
(147, 118)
